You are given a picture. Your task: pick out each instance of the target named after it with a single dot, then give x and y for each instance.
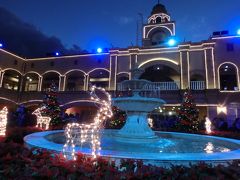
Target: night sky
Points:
(90, 24)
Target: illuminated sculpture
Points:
(42, 121)
(78, 134)
(208, 125)
(3, 121)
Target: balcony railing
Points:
(162, 86)
(197, 85)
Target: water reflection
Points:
(209, 148)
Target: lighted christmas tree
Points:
(188, 120)
(52, 107)
(118, 120)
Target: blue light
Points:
(172, 42)
(99, 50)
(238, 32)
(1, 45)
(57, 53)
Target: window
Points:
(230, 47)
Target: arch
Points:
(122, 76)
(74, 80)
(97, 69)
(161, 73)
(12, 70)
(53, 76)
(49, 71)
(228, 78)
(99, 77)
(8, 100)
(11, 79)
(164, 27)
(73, 70)
(33, 72)
(31, 81)
(164, 61)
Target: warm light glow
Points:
(221, 109)
(3, 121)
(208, 125)
(42, 121)
(158, 59)
(78, 134)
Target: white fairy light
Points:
(78, 134)
(3, 121)
(42, 121)
(150, 122)
(208, 125)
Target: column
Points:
(210, 67)
(40, 83)
(184, 65)
(113, 72)
(61, 83)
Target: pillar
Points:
(184, 65)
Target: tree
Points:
(52, 107)
(118, 120)
(188, 114)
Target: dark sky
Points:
(93, 23)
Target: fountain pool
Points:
(169, 148)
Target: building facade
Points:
(210, 68)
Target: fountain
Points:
(135, 140)
(136, 128)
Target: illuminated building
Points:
(210, 68)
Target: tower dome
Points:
(159, 8)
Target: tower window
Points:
(158, 20)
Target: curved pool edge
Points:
(37, 140)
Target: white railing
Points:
(164, 86)
(197, 85)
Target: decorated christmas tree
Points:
(188, 114)
(118, 119)
(52, 107)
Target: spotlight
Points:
(171, 42)
(1, 45)
(99, 50)
(57, 53)
(238, 32)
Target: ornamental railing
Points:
(197, 85)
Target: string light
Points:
(208, 125)
(3, 121)
(42, 121)
(78, 134)
(150, 122)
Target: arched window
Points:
(99, 78)
(158, 20)
(48, 79)
(122, 77)
(160, 73)
(30, 82)
(75, 81)
(11, 80)
(228, 77)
